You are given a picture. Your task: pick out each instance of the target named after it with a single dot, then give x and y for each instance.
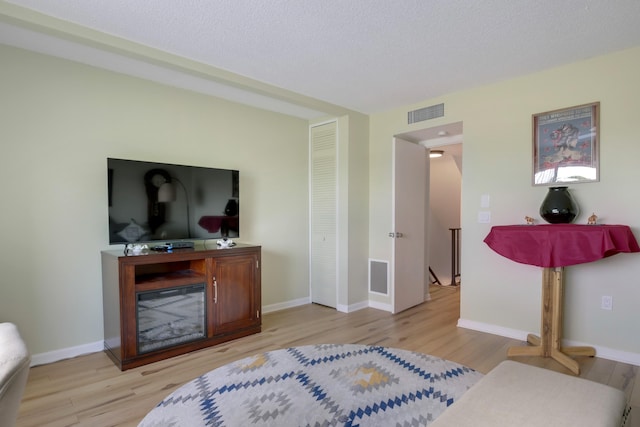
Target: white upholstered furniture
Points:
(515, 394)
(14, 370)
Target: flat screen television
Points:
(152, 202)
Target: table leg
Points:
(549, 344)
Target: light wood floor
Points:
(90, 391)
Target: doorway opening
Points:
(444, 204)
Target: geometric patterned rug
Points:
(319, 385)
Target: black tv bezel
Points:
(163, 165)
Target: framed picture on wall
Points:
(566, 145)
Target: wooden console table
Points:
(553, 247)
(218, 289)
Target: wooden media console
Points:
(159, 305)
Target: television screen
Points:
(164, 202)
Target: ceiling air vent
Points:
(426, 113)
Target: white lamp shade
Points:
(167, 192)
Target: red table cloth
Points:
(560, 245)
(213, 223)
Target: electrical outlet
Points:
(607, 303)
(484, 217)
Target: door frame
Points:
(428, 137)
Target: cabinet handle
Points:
(215, 291)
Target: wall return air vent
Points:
(426, 113)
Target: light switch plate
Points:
(484, 217)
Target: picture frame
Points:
(566, 145)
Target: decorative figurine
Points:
(530, 221)
(135, 248)
(592, 219)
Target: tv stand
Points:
(161, 304)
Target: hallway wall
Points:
(444, 201)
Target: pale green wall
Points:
(497, 161)
(358, 217)
(59, 121)
(353, 214)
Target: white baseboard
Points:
(381, 306)
(603, 352)
(302, 301)
(284, 305)
(66, 353)
(70, 352)
(493, 329)
(352, 307)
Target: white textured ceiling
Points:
(366, 55)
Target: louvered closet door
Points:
(323, 264)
